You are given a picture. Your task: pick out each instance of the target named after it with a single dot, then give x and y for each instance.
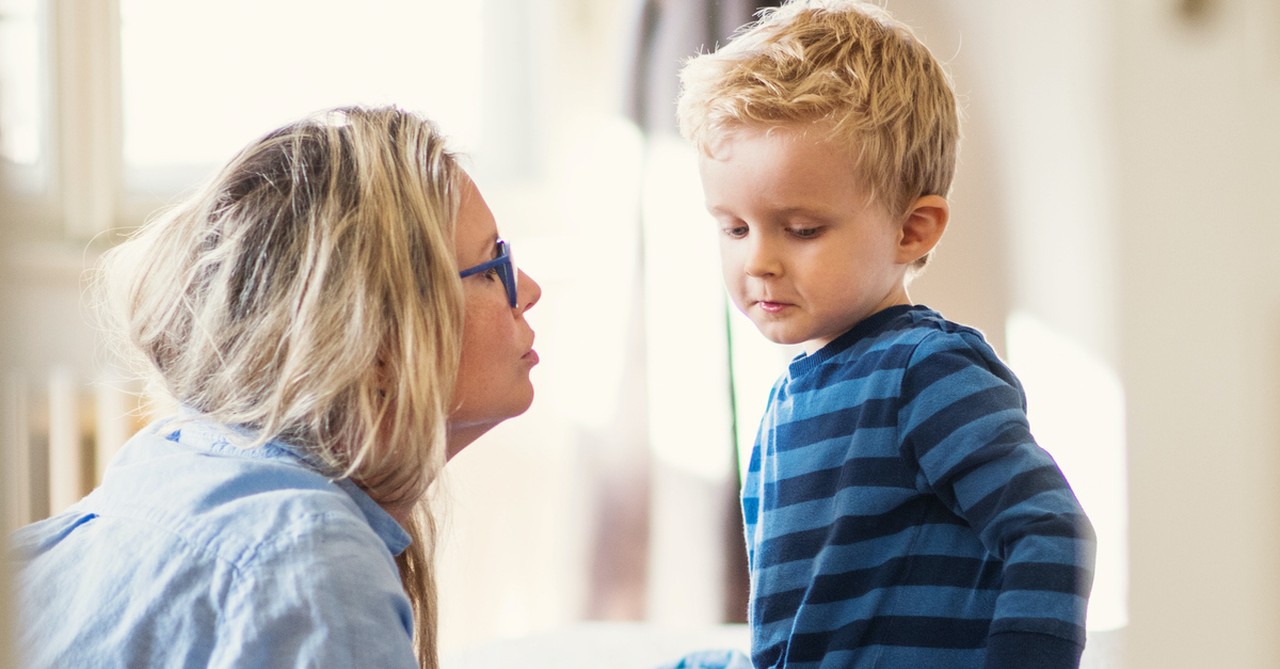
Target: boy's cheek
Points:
(730, 264)
(731, 270)
(733, 286)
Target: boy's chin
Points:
(780, 338)
(810, 344)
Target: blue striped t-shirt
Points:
(899, 513)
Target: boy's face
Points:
(805, 254)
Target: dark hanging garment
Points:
(664, 34)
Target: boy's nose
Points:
(761, 260)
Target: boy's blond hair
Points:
(850, 70)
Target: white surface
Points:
(644, 646)
(592, 645)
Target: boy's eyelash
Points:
(800, 232)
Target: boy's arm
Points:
(1019, 650)
(964, 422)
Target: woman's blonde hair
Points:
(845, 68)
(309, 294)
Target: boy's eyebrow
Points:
(785, 213)
(807, 211)
(790, 210)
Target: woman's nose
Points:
(528, 290)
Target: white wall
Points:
(1199, 159)
(1115, 185)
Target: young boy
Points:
(898, 512)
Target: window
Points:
(200, 80)
(24, 163)
(20, 132)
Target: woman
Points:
(336, 316)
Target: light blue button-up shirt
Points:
(196, 553)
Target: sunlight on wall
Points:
(579, 239)
(1076, 408)
(689, 412)
(688, 360)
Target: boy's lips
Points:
(770, 307)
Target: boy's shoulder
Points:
(927, 320)
(891, 342)
(906, 328)
(925, 332)
(888, 344)
(900, 347)
(927, 348)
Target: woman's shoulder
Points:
(240, 506)
(256, 549)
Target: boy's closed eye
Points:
(804, 232)
(797, 231)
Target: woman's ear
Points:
(922, 227)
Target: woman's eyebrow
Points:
(487, 249)
(493, 245)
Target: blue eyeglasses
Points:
(506, 269)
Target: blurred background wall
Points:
(1112, 234)
(1120, 154)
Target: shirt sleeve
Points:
(964, 418)
(328, 601)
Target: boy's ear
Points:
(925, 221)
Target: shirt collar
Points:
(214, 436)
(864, 329)
(386, 527)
